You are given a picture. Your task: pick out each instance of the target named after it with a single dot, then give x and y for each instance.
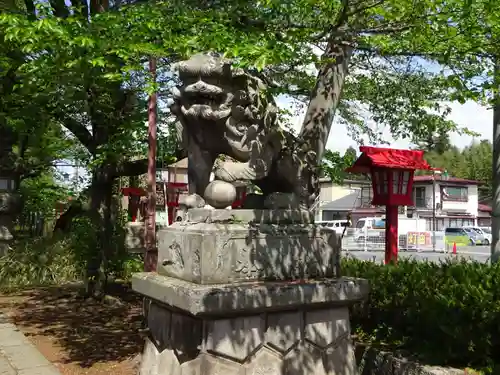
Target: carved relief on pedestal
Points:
(245, 266)
(273, 257)
(196, 262)
(176, 259)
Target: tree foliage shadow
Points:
(88, 331)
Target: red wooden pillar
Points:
(391, 234)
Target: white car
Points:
(484, 232)
(338, 226)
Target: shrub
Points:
(38, 262)
(63, 258)
(443, 313)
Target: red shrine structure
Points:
(391, 171)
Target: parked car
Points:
(486, 235)
(338, 226)
(486, 230)
(473, 236)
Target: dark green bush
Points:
(443, 313)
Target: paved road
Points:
(477, 253)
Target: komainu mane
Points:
(224, 110)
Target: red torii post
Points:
(391, 172)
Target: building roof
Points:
(483, 207)
(388, 158)
(346, 203)
(453, 180)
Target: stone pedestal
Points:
(254, 293)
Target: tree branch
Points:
(343, 16)
(77, 128)
(388, 29)
(367, 7)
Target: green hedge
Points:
(443, 313)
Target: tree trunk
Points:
(325, 97)
(100, 213)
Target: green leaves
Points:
(444, 314)
(334, 165)
(474, 162)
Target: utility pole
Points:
(151, 251)
(495, 227)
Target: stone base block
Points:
(223, 246)
(246, 298)
(255, 328)
(297, 342)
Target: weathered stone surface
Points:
(305, 359)
(220, 194)
(337, 359)
(161, 320)
(284, 330)
(282, 200)
(199, 299)
(226, 111)
(8, 202)
(265, 362)
(186, 336)
(245, 345)
(135, 236)
(235, 338)
(214, 253)
(323, 327)
(283, 216)
(371, 361)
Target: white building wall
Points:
(470, 206)
(330, 192)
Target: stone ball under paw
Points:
(220, 194)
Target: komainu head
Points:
(214, 93)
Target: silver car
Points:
(484, 232)
(476, 237)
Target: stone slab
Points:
(44, 370)
(217, 253)
(11, 336)
(18, 356)
(203, 215)
(5, 367)
(24, 357)
(199, 299)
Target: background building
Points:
(453, 200)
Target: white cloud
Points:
(470, 115)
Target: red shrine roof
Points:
(388, 158)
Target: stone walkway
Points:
(18, 356)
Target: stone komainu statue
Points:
(224, 110)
